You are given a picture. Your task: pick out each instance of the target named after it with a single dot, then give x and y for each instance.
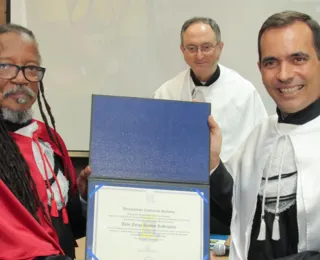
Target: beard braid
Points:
(16, 117)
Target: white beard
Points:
(16, 117)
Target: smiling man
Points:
(274, 177)
(235, 103)
(40, 204)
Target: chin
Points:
(16, 116)
(18, 108)
(199, 71)
(291, 103)
(201, 68)
(292, 107)
(12, 105)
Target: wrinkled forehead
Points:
(18, 48)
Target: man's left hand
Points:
(82, 182)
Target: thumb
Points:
(88, 169)
(212, 123)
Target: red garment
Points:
(21, 236)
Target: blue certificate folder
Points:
(147, 144)
(148, 139)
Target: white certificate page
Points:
(147, 224)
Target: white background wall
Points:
(131, 47)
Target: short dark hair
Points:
(286, 18)
(205, 20)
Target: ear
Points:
(181, 48)
(221, 44)
(259, 65)
(219, 50)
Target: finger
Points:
(212, 122)
(85, 172)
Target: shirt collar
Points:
(13, 127)
(301, 117)
(211, 80)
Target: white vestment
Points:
(247, 166)
(235, 104)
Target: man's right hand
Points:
(215, 143)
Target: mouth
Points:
(292, 90)
(21, 98)
(16, 94)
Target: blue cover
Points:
(148, 139)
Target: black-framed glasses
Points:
(31, 73)
(205, 48)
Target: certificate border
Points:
(96, 184)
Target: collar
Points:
(13, 127)
(212, 79)
(301, 117)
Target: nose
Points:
(20, 78)
(285, 73)
(199, 54)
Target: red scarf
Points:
(21, 236)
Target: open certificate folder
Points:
(149, 189)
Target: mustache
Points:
(19, 89)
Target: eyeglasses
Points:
(31, 73)
(206, 48)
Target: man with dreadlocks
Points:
(41, 201)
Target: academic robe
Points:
(21, 236)
(235, 186)
(235, 103)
